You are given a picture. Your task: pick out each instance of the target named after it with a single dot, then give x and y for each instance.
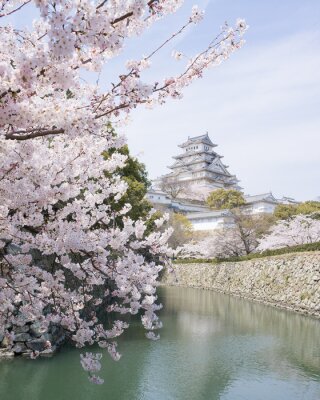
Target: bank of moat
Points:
(289, 281)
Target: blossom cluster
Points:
(42, 91)
(300, 229)
(63, 254)
(222, 243)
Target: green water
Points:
(212, 347)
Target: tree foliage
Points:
(286, 211)
(222, 199)
(134, 174)
(182, 230)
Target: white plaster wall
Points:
(158, 199)
(207, 224)
(262, 207)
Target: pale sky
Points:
(261, 107)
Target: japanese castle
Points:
(200, 170)
(201, 167)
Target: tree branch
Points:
(129, 14)
(32, 134)
(15, 10)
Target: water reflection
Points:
(212, 347)
(297, 337)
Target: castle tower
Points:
(199, 167)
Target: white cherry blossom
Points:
(63, 251)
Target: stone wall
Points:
(290, 281)
(31, 339)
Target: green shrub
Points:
(285, 250)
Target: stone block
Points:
(19, 348)
(37, 345)
(21, 329)
(57, 333)
(27, 353)
(5, 353)
(49, 352)
(22, 337)
(5, 342)
(47, 337)
(36, 330)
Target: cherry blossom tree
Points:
(238, 236)
(222, 243)
(297, 230)
(174, 187)
(53, 190)
(204, 247)
(178, 189)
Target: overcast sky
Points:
(261, 107)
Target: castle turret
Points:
(200, 167)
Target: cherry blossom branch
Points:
(15, 10)
(130, 14)
(31, 134)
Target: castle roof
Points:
(197, 152)
(268, 197)
(198, 139)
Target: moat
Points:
(212, 346)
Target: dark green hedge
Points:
(284, 250)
